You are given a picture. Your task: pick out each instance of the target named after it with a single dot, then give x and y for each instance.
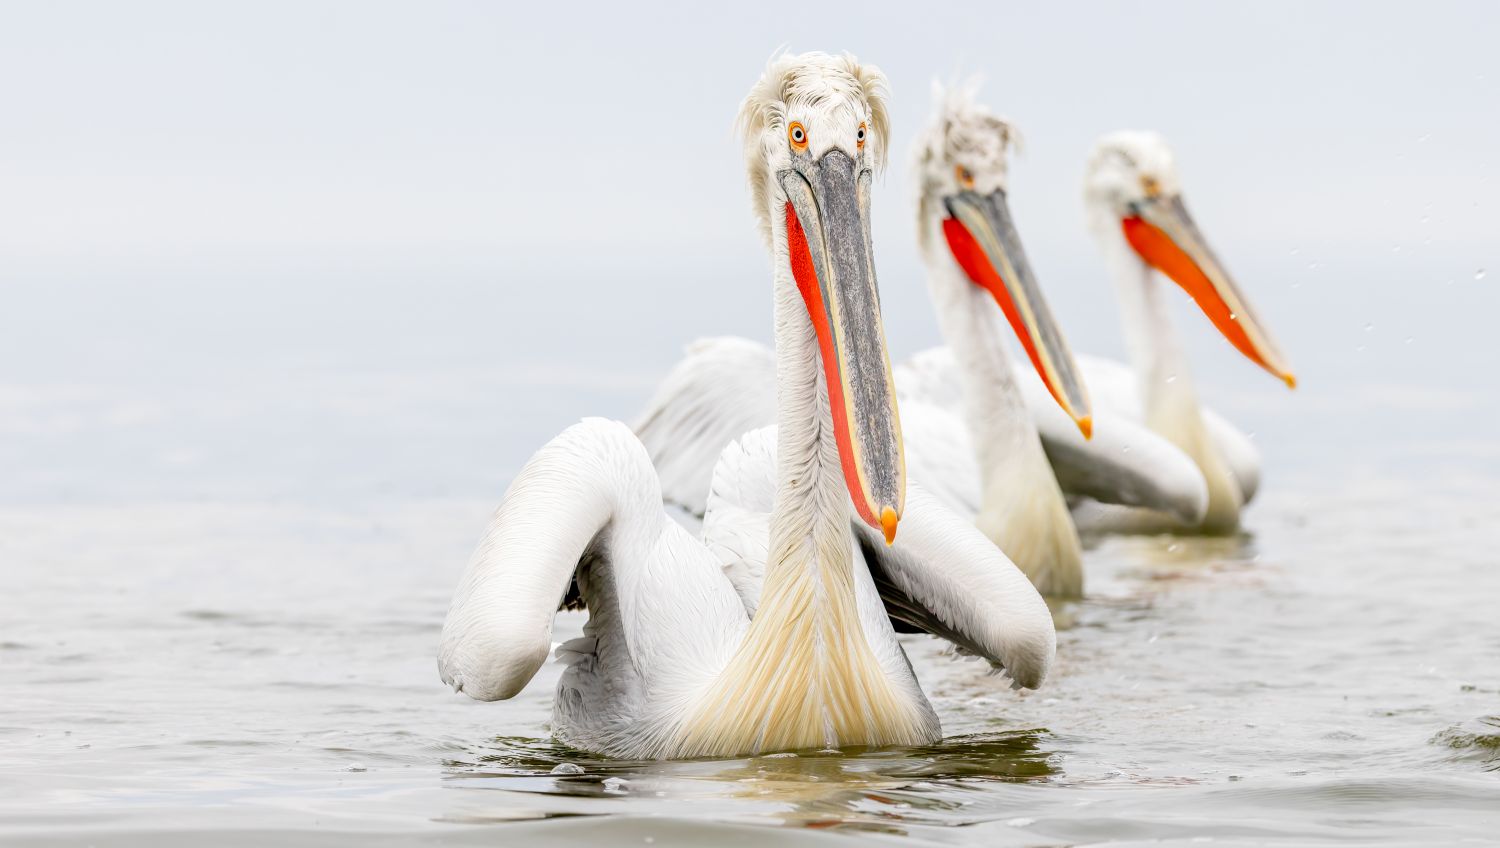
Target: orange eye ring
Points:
(964, 175)
(859, 137)
(798, 136)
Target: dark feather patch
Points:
(907, 614)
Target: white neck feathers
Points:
(1022, 509)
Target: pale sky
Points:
(159, 128)
(555, 189)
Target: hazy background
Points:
(288, 291)
(344, 252)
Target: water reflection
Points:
(853, 788)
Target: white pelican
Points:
(969, 436)
(672, 664)
(1136, 212)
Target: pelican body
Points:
(1136, 212)
(788, 643)
(969, 434)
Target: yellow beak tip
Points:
(1290, 380)
(888, 521)
(1086, 426)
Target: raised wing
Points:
(587, 506)
(723, 388)
(940, 455)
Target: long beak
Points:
(1164, 235)
(985, 244)
(828, 232)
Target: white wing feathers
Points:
(725, 387)
(1124, 463)
(942, 576)
(940, 455)
(588, 497)
(1238, 452)
(1114, 388)
(722, 389)
(737, 525)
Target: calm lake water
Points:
(231, 518)
(289, 291)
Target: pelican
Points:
(1136, 213)
(969, 436)
(682, 657)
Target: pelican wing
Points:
(1115, 390)
(931, 376)
(723, 388)
(940, 454)
(587, 508)
(942, 576)
(1124, 463)
(1238, 452)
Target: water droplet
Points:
(616, 784)
(1171, 378)
(1424, 137)
(1395, 248)
(1426, 218)
(1173, 548)
(1479, 275)
(567, 768)
(1125, 449)
(1369, 328)
(1020, 822)
(1233, 317)
(1313, 266)
(356, 767)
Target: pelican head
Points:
(815, 129)
(961, 162)
(1132, 186)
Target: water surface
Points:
(246, 663)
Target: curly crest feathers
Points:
(962, 131)
(817, 81)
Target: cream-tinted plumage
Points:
(977, 436)
(672, 662)
(1127, 169)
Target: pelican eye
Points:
(964, 175)
(798, 134)
(1150, 186)
(859, 137)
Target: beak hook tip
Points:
(1086, 426)
(888, 519)
(1290, 380)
